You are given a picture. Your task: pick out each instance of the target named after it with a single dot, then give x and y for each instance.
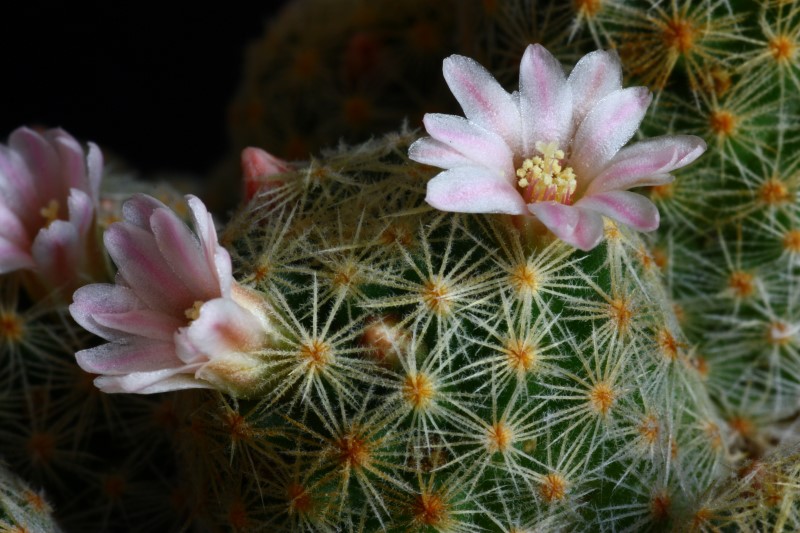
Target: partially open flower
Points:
(48, 195)
(258, 167)
(175, 318)
(553, 150)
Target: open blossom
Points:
(175, 318)
(553, 150)
(48, 195)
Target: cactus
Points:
(377, 364)
(438, 371)
(22, 508)
(729, 235)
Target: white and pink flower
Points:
(48, 196)
(553, 150)
(175, 318)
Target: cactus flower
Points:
(175, 318)
(257, 167)
(48, 196)
(553, 150)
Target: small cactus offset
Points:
(575, 306)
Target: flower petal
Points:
(596, 75)
(482, 146)
(222, 327)
(483, 99)
(102, 298)
(629, 208)
(94, 167)
(579, 227)
(216, 255)
(545, 99)
(11, 228)
(474, 190)
(139, 261)
(647, 163)
(80, 207)
(57, 250)
(606, 128)
(41, 160)
(141, 323)
(18, 188)
(429, 151)
(138, 209)
(181, 250)
(134, 354)
(151, 382)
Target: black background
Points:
(151, 85)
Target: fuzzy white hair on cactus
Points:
(553, 150)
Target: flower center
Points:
(50, 212)
(543, 178)
(193, 312)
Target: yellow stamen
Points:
(193, 313)
(545, 178)
(50, 212)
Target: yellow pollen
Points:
(791, 241)
(544, 178)
(553, 487)
(499, 437)
(193, 313)
(50, 212)
(782, 48)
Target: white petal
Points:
(596, 75)
(545, 99)
(579, 227)
(482, 146)
(629, 208)
(474, 190)
(606, 128)
(483, 100)
(429, 151)
(152, 382)
(647, 163)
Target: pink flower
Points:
(48, 195)
(175, 318)
(553, 150)
(258, 166)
